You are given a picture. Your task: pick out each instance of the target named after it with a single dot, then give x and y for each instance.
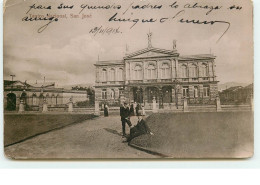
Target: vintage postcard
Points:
(117, 79)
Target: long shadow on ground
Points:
(112, 131)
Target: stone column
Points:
(70, 105)
(154, 105)
(201, 91)
(160, 98)
(21, 106)
(185, 105)
(173, 95)
(126, 96)
(173, 69)
(178, 96)
(145, 97)
(138, 95)
(176, 68)
(218, 106)
(135, 104)
(44, 106)
(158, 70)
(97, 112)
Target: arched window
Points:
(120, 74)
(34, 99)
(104, 75)
(204, 70)
(166, 71)
(183, 71)
(138, 72)
(151, 71)
(193, 71)
(112, 75)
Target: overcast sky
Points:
(65, 52)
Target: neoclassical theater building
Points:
(157, 74)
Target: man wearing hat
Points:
(125, 113)
(140, 128)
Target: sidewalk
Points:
(97, 138)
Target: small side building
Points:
(34, 95)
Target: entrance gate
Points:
(11, 102)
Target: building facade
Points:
(34, 95)
(237, 95)
(157, 74)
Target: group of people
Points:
(140, 128)
(126, 112)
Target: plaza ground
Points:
(18, 127)
(176, 135)
(200, 135)
(95, 138)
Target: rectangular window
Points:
(34, 98)
(185, 91)
(205, 91)
(104, 94)
(196, 94)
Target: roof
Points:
(152, 49)
(44, 84)
(151, 52)
(109, 62)
(8, 82)
(17, 82)
(197, 57)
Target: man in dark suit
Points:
(140, 128)
(125, 117)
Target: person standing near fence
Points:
(138, 107)
(106, 110)
(125, 113)
(132, 110)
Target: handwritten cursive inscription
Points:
(104, 30)
(125, 13)
(40, 18)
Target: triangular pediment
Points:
(152, 52)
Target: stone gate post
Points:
(21, 106)
(218, 105)
(154, 105)
(97, 111)
(70, 105)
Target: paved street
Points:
(97, 138)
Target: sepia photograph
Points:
(117, 79)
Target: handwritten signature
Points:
(116, 18)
